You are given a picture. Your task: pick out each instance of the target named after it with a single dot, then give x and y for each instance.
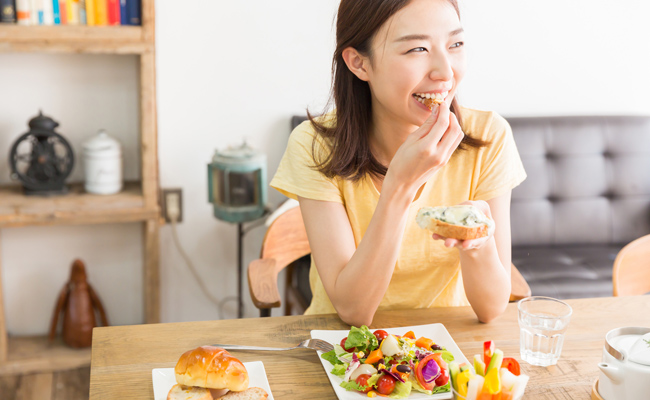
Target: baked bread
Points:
(253, 393)
(461, 222)
(211, 367)
(431, 102)
(180, 392)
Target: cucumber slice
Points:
(454, 370)
(496, 361)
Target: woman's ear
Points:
(357, 64)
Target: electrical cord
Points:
(173, 216)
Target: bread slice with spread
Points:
(461, 222)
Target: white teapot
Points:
(102, 155)
(625, 369)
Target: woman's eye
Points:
(458, 44)
(417, 50)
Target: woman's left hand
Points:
(474, 243)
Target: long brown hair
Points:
(350, 156)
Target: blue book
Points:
(57, 12)
(134, 13)
(124, 15)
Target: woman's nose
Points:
(440, 67)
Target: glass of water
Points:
(542, 323)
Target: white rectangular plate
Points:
(436, 332)
(164, 379)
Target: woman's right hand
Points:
(425, 151)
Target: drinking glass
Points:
(542, 324)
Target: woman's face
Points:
(417, 52)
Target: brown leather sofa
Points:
(587, 195)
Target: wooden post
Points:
(151, 272)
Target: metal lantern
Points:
(41, 159)
(237, 184)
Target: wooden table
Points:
(123, 356)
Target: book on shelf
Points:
(113, 12)
(71, 12)
(7, 11)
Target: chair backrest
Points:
(631, 275)
(286, 239)
(588, 180)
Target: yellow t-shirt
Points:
(427, 274)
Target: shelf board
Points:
(29, 354)
(76, 207)
(74, 39)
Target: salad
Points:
(381, 364)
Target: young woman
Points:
(362, 171)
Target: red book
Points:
(113, 7)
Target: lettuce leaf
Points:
(331, 357)
(362, 339)
(401, 391)
(352, 385)
(339, 369)
(443, 388)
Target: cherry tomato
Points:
(380, 334)
(512, 365)
(443, 378)
(343, 345)
(362, 380)
(385, 384)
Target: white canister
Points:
(102, 157)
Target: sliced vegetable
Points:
(492, 384)
(409, 335)
(462, 381)
(374, 356)
(424, 377)
(479, 365)
(454, 370)
(390, 346)
(425, 343)
(488, 350)
(362, 339)
(438, 358)
(512, 365)
(364, 369)
(496, 361)
(343, 342)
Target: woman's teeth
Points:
(439, 97)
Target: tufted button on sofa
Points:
(587, 195)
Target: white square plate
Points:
(436, 332)
(164, 379)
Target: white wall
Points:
(240, 70)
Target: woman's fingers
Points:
(439, 127)
(424, 130)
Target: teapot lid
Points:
(629, 343)
(102, 142)
(640, 350)
(239, 155)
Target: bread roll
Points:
(462, 222)
(253, 393)
(211, 367)
(180, 392)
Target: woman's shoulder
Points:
(483, 124)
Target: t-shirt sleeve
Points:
(296, 175)
(501, 168)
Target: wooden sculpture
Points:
(78, 302)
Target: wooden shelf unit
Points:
(138, 202)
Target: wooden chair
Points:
(284, 243)
(631, 274)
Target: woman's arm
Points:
(356, 279)
(485, 263)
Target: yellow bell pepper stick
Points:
(463, 380)
(492, 383)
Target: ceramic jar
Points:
(102, 156)
(625, 370)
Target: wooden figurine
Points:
(78, 302)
